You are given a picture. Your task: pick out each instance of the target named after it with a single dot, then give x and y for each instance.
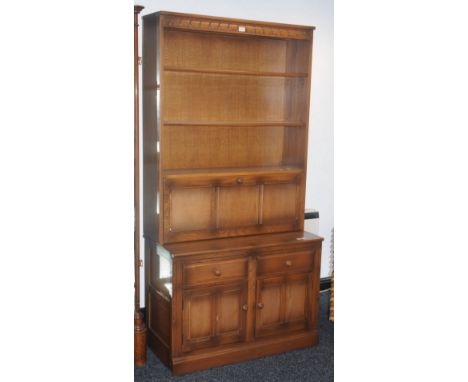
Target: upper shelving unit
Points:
(226, 114)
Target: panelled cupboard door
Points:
(206, 207)
(213, 316)
(283, 304)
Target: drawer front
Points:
(214, 272)
(198, 207)
(285, 262)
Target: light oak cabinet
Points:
(230, 273)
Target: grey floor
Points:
(311, 364)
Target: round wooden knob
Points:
(217, 272)
(239, 180)
(260, 305)
(244, 307)
(288, 263)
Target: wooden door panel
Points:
(198, 313)
(200, 307)
(270, 314)
(190, 209)
(229, 313)
(296, 300)
(238, 206)
(231, 317)
(269, 305)
(282, 304)
(213, 316)
(279, 203)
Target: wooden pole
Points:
(139, 324)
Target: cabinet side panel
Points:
(150, 126)
(305, 143)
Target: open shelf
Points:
(235, 54)
(235, 72)
(212, 97)
(232, 145)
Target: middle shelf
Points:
(226, 171)
(235, 72)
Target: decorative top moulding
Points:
(234, 26)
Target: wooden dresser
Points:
(230, 273)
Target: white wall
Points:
(319, 13)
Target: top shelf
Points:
(235, 72)
(235, 123)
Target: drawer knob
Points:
(217, 272)
(244, 307)
(288, 263)
(260, 305)
(239, 180)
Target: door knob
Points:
(239, 180)
(288, 263)
(217, 272)
(244, 307)
(260, 305)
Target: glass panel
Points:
(162, 271)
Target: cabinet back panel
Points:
(189, 147)
(294, 146)
(214, 97)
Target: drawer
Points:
(296, 261)
(215, 271)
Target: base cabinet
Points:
(230, 304)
